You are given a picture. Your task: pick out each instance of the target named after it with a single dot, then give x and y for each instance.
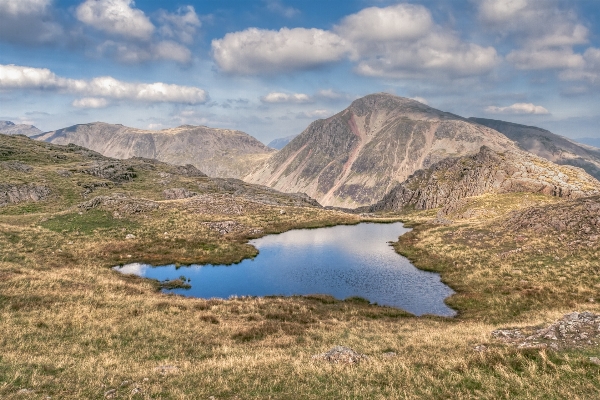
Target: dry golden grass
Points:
(72, 328)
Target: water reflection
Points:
(341, 261)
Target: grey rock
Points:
(19, 193)
(178, 193)
(342, 355)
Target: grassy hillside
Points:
(72, 328)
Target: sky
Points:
(271, 67)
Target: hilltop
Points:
(10, 128)
(356, 156)
(216, 152)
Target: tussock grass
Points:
(72, 328)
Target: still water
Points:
(341, 261)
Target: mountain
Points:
(445, 183)
(217, 152)
(280, 143)
(10, 128)
(594, 142)
(356, 156)
(548, 145)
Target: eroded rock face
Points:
(18, 193)
(447, 182)
(356, 156)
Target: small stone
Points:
(480, 348)
(24, 391)
(166, 369)
(281, 212)
(595, 360)
(124, 383)
(136, 390)
(342, 355)
(390, 354)
(110, 394)
(130, 236)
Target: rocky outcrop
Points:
(10, 128)
(356, 156)
(447, 182)
(216, 152)
(112, 170)
(341, 355)
(581, 217)
(573, 330)
(548, 145)
(178, 193)
(120, 203)
(19, 193)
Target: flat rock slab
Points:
(341, 355)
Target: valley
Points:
(511, 227)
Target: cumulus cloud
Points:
(21, 77)
(116, 17)
(588, 71)
(277, 97)
(399, 41)
(400, 22)
(545, 32)
(545, 58)
(518, 108)
(28, 22)
(90, 102)
(181, 25)
(23, 7)
(258, 51)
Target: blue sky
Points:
(270, 67)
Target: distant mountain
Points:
(446, 183)
(356, 156)
(280, 143)
(216, 152)
(595, 142)
(548, 145)
(10, 128)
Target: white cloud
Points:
(399, 22)
(588, 71)
(23, 7)
(536, 59)
(259, 51)
(321, 113)
(20, 77)
(116, 17)
(545, 32)
(278, 7)
(518, 108)
(437, 55)
(181, 25)
(90, 102)
(277, 97)
(28, 21)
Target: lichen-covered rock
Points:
(18, 193)
(120, 203)
(447, 182)
(115, 171)
(342, 355)
(573, 330)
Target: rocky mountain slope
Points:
(217, 152)
(61, 176)
(10, 128)
(356, 156)
(280, 143)
(447, 182)
(553, 147)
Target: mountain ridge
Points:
(217, 152)
(356, 156)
